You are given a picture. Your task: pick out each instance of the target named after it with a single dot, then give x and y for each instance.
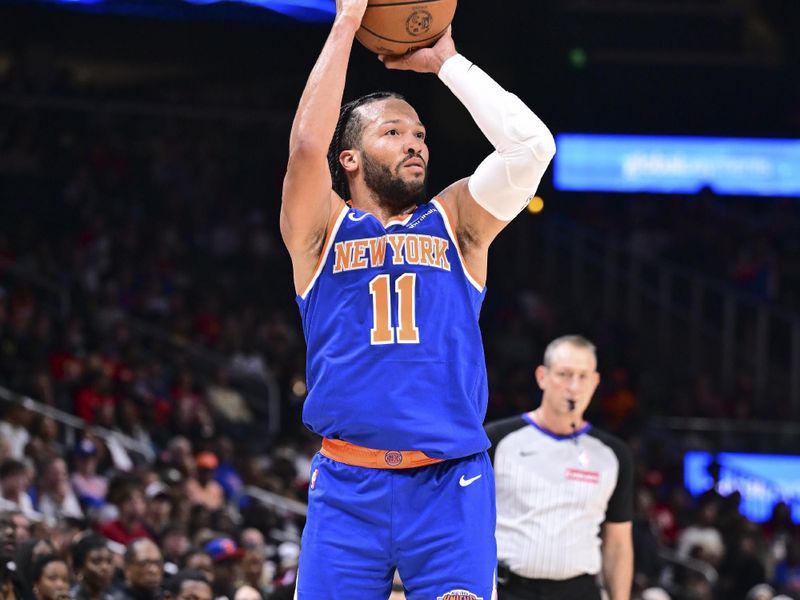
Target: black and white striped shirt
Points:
(553, 494)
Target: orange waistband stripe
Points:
(358, 456)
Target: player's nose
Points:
(414, 145)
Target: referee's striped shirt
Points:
(553, 494)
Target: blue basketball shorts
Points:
(434, 524)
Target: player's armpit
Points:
(306, 208)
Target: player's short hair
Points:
(348, 135)
(576, 341)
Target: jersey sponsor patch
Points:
(583, 475)
(459, 595)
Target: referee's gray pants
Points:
(583, 587)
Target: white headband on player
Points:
(504, 182)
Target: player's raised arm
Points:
(308, 200)
(486, 202)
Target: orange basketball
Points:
(397, 26)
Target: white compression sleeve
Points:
(524, 146)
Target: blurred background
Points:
(148, 329)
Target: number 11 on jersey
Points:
(382, 331)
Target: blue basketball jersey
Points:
(395, 356)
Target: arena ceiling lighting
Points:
(301, 10)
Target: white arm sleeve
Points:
(524, 146)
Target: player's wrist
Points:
(452, 64)
(348, 21)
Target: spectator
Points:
(93, 564)
(247, 592)
(787, 571)
(200, 560)
(128, 497)
(159, 508)
(50, 578)
(56, 498)
(143, 572)
(174, 544)
(226, 473)
(227, 401)
(22, 526)
(253, 570)
(10, 585)
(26, 556)
(14, 481)
(14, 430)
(188, 585)
(702, 539)
(88, 485)
(204, 490)
(227, 557)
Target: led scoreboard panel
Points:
(302, 10)
(677, 165)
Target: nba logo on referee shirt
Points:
(459, 595)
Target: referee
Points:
(564, 490)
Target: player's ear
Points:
(349, 159)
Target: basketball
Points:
(397, 26)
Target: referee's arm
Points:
(617, 532)
(618, 559)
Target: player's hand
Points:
(425, 60)
(354, 9)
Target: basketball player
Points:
(389, 284)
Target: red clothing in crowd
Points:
(117, 532)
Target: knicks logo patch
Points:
(459, 595)
(393, 458)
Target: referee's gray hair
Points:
(578, 341)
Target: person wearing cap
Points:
(88, 485)
(158, 516)
(227, 558)
(204, 489)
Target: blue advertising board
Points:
(762, 479)
(677, 165)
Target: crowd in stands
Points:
(115, 226)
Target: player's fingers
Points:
(394, 62)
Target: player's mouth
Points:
(414, 162)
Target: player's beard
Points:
(390, 188)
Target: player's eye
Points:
(392, 132)
(421, 135)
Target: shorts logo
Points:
(459, 595)
(393, 458)
(419, 22)
(314, 479)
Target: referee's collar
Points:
(569, 436)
